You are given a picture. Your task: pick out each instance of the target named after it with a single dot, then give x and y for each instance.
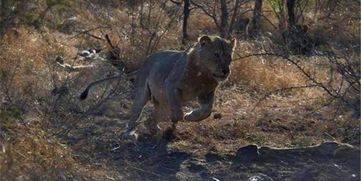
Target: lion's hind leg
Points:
(152, 123)
(142, 96)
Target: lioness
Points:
(170, 78)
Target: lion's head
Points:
(215, 54)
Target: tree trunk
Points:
(4, 15)
(186, 12)
(133, 26)
(291, 13)
(141, 13)
(257, 13)
(234, 16)
(224, 19)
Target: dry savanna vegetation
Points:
(294, 87)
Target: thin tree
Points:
(224, 19)
(291, 13)
(234, 16)
(186, 12)
(257, 13)
(4, 15)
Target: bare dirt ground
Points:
(100, 143)
(222, 147)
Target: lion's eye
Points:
(217, 55)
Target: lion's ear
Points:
(204, 40)
(233, 43)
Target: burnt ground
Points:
(99, 143)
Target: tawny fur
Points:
(170, 78)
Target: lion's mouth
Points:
(219, 76)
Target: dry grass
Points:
(30, 153)
(36, 146)
(257, 72)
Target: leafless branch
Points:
(330, 90)
(212, 14)
(176, 2)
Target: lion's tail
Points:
(85, 93)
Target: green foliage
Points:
(277, 5)
(9, 116)
(30, 12)
(29, 16)
(2, 74)
(133, 3)
(63, 3)
(12, 112)
(51, 2)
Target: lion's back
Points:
(158, 65)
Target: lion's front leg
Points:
(174, 102)
(176, 113)
(204, 111)
(173, 93)
(175, 106)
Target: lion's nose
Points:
(225, 71)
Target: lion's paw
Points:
(130, 135)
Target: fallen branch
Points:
(89, 30)
(94, 36)
(109, 42)
(71, 68)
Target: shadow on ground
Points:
(328, 161)
(100, 143)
